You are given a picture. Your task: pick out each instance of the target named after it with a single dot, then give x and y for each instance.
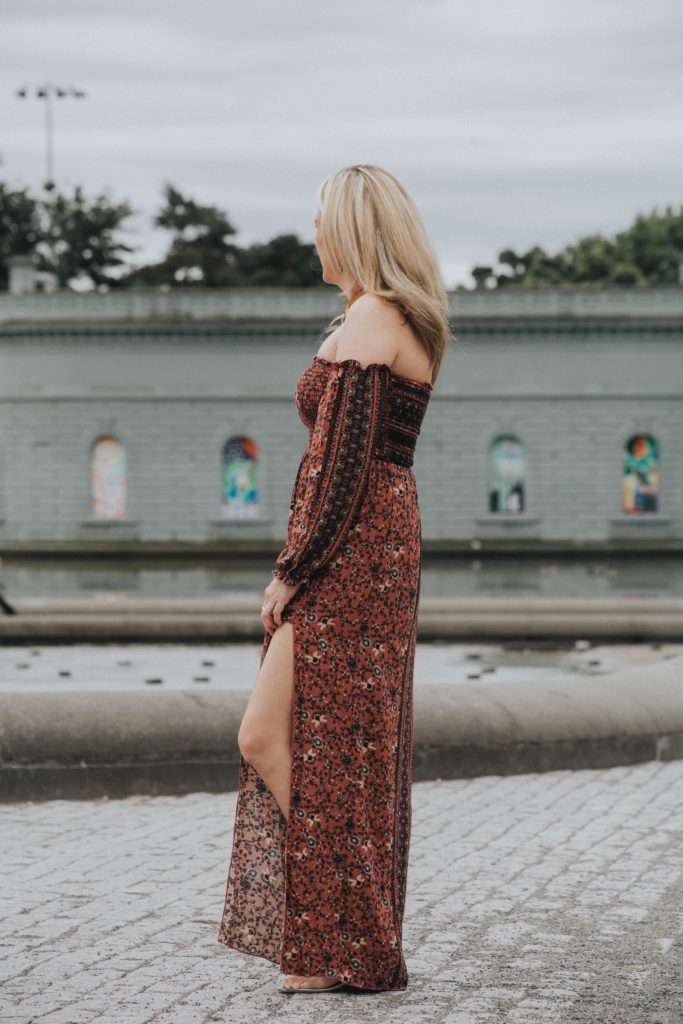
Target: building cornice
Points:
(317, 306)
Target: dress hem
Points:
(264, 956)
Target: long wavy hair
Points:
(373, 231)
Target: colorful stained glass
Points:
(506, 476)
(108, 479)
(641, 475)
(240, 495)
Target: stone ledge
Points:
(473, 618)
(88, 745)
(185, 306)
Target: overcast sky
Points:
(511, 122)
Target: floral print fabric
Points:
(323, 892)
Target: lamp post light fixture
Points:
(48, 93)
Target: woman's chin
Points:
(329, 277)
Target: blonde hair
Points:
(374, 232)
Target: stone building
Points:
(165, 420)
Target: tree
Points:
(19, 227)
(482, 276)
(199, 253)
(73, 237)
(647, 253)
(534, 265)
(77, 237)
(284, 261)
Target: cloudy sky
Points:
(511, 122)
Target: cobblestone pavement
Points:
(554, 897)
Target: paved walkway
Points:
(532, 899)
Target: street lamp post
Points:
(48, 93)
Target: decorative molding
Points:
(109, 523)
(246, 307)
(223, 524)
(507, 519)
(646, 519)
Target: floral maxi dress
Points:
(322, 892)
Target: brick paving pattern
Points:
(532, 899)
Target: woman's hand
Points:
(276, 595)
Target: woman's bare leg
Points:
(265, 739)
(265, 735)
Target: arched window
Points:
(240, 495)
(640, 489)
(506, 476)
(108, 479)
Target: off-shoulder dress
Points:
(322, 892)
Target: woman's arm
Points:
(343, 441)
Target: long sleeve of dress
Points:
(343, 441)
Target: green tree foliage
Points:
(72, 236)
(284, 261)
(19, 227)
(482, 276)
(78, 237)
(202, 252)
(647, 253)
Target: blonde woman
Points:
(317, 876)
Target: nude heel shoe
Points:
(297, 988)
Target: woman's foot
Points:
(300, 981)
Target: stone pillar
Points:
(22, 274)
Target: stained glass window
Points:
(240, 493)
(641, 475)
(108, 479)
(506, 476)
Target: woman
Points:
(317, 876)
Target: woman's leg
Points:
(265, 738)
(265, 735)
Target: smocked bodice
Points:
(403, 403)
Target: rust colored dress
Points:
(322, 892)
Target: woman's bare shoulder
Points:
(371, 308)
(370, 332)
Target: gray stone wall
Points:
(571, 374)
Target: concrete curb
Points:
(481, 618)
(83, 746)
